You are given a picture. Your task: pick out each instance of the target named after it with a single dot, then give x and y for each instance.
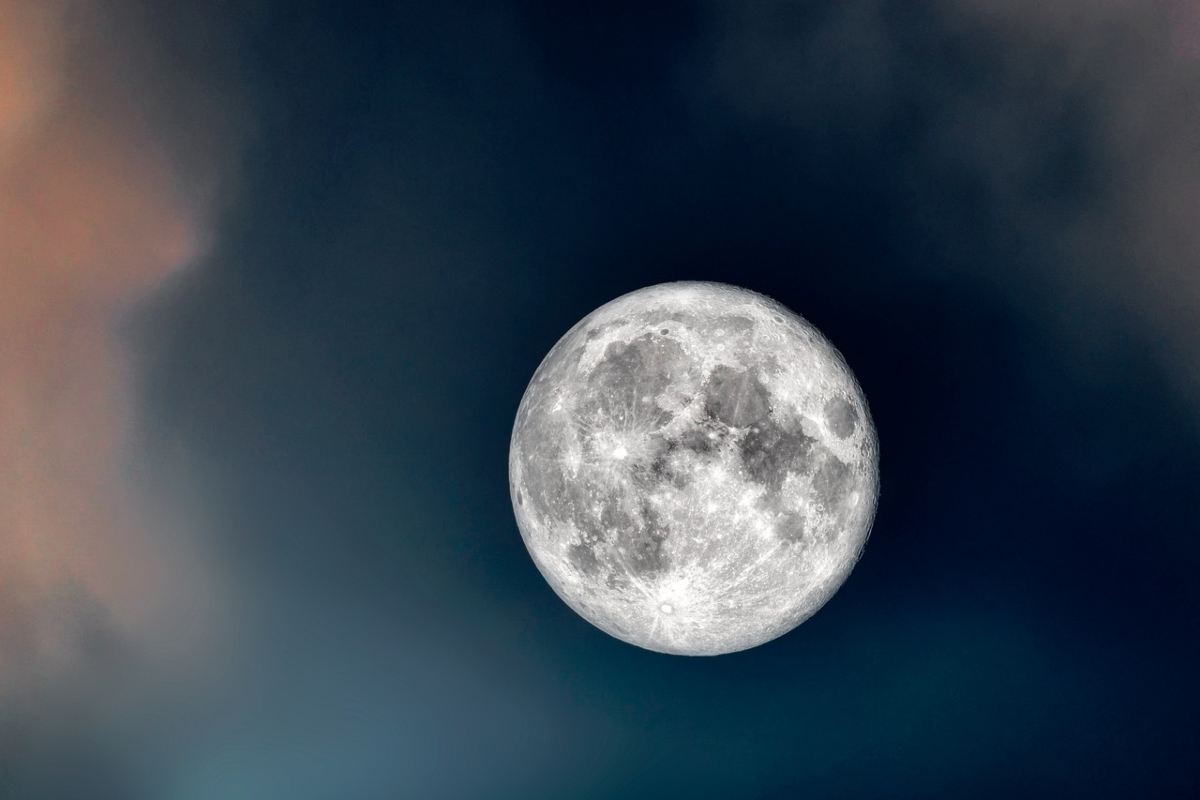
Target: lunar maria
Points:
(694, 469)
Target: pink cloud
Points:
(93, 215)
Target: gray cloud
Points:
(1070, 127)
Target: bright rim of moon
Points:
(693, 469)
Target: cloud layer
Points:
(95, 211)
(1063, 133)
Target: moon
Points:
(693, 469)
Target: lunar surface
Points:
(693, 469)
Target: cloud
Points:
(97, 208)
(1068, 129)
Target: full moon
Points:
(693, 469)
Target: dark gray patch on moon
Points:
(584, 558)
(769, 453)
(832, 482)
(704, 437)
(736, 397)
(633, 374)
(841, 416)
(790, 526)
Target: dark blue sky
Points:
(977, 205)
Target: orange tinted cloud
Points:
(92, 216)
(29, 43)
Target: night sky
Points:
(395, 211)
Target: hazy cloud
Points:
(1072, 126)
(98, 204)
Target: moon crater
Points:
(694, 469)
